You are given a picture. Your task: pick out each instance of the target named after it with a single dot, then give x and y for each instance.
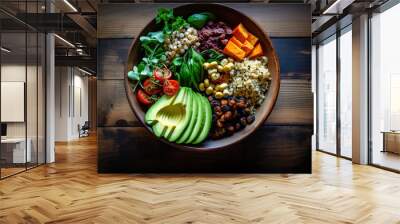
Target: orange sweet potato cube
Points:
(252, 39)
(240, 33)
(247, 47)
(236, 41)
(256, 52)
(234, 51)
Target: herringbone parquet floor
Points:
(71, 191)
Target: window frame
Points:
(333, 37)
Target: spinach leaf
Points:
(212, 55)
(152, 38)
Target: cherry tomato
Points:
(170, 87)
(143, 98)
(151, 87)
(162, 74)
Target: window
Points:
(346, 92)
(327, 96)
(385, 89)
(334, 106)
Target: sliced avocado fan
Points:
(166, 112)
(182, 118)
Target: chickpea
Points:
(206, 65)
(206, 83)
(220, 68)
(223, 86)
(209, 90)
(214, 64)
(230, 65)
(202, 87)
(211, 71)
(219, 95)
(224, 61)
(214, 76)
(226, 68)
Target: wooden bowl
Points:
(232, 18)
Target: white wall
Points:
(71, 102)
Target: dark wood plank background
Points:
(283, 144)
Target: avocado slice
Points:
(184, 119)
(166, 112)
(199, 120)
(182, 101)
(150, 117)
(189, 129)
(206, 124)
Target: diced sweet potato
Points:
(240, 33)
(252, 39)
(236, 41)
(234, 51)
(247, 47)
(256, 52)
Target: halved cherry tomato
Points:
(143, 98)
(170, 87)
(162, 74)
(151, 87)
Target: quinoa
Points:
(250, 78)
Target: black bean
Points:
(210, 98)
(215, 103)
(225, 108)
(243, 121)
(238, 126)
(250, 119)
(240, 112)
(230, 128)
(217, 109)
(228, 115)
(247, 111)
(214, 118)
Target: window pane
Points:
(385, 84)
(327, 96)
(346, 94)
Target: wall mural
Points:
(204, 88)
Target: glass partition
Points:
(326, 59)
(14, 145)
(22, 77)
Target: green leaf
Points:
(177, 61)
(198, 20)
(170, 22)
(178, 23)
(212, 55)
(134, 74)
(152, 38)
(209, 14)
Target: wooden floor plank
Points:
(71, 191)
